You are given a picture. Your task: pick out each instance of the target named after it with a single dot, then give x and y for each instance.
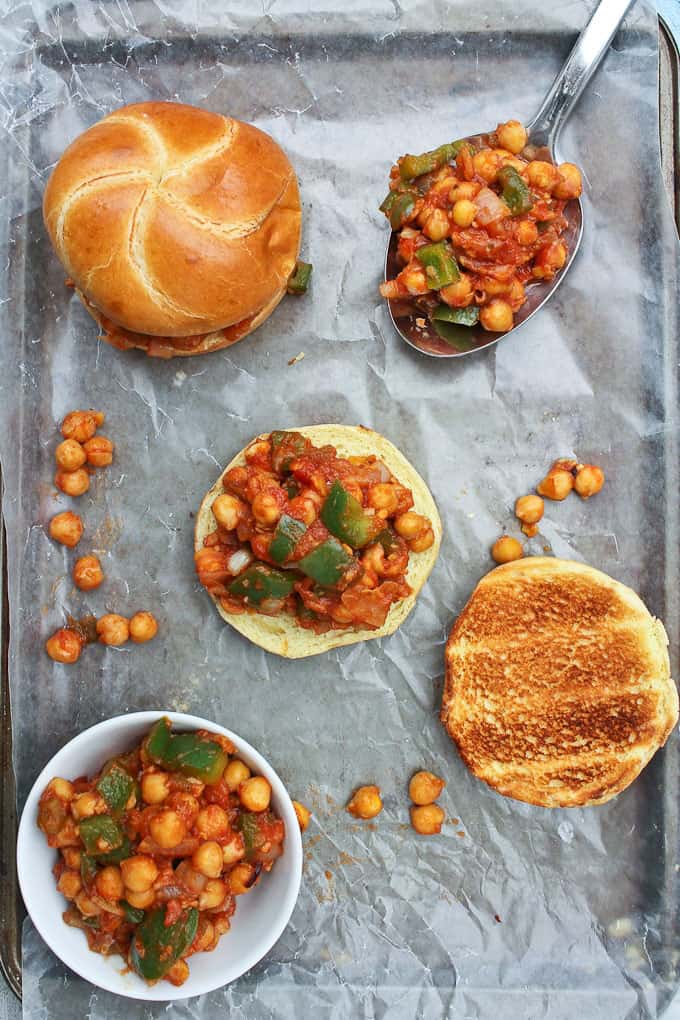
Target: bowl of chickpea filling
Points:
(169, 865)
(316, 537)
(479, 224)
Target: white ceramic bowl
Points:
(260, 917)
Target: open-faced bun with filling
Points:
(178, 227)
(281, 634)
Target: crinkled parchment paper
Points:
(514, 911)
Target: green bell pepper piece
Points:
(515, 191)
(115, 786)
(132, 914)
(401, 208)
(299, 278)
(100, 835)
(156, 947)
(288, 533)
(415, 166)
(460, 316)
(286, 446)
(250, 830)
(188, 753)
(345, 518)
(441, 268)
(326, 564)
(88, 869)
(121, 853)
(260, 582)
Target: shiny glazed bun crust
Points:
(173, 221)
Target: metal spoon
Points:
(543, 134)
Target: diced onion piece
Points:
(489, 207)
(270, 607)
(239, 560)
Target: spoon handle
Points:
(591, 46)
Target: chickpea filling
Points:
(301, 531)
(477, 224)
(156, 846)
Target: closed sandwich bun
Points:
(281, 634)
(175, 224)
(558, 686)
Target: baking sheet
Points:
(513, 910)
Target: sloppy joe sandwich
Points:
(558, 688)
(179, 227)
(316, 537)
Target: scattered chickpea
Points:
(589, 480)
(234, 850)
(255, 794)
(427, 819)
(496, 316)
(425, 787)
(81, 425)
(139, 873)
(410, 525)
(113, 629)
(87, 573)
(557, 484)
(109, 883)
(66, 528)
(69, 884)
(527, 232)
(383, 497)
(266, 510)
(242, 878)
(178, 973)
(143, 627)
(167, 829)
(64, 646)
(155, 787)
(61, 788)
(235, 773)
(529, 509)
(99, 451)
(506, 549)
(464, 212)
(212, 822)
(512, 136)
(70, 455)
(72, 483)
(302, 814)
(207, 859)
(140, 900)
(530, 530)
(422, 542)
(569, 184)
(84, 805)
(542, 175)
(437, 226)
(214, 893)
(227, 511)
(366, 802)
(86, 906)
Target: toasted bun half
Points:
(281, 634)
(173, 221)
(558, 687)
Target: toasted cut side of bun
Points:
(281, 634)
(558, 686)
(175, 222)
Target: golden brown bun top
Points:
(558, 687)
(174, 221)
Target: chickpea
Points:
(84, 805)
(529, 509)
(569, 184)
(235, 773)
(542, 175)
(186, 806)
(463, 190)
(530, 530)
(458, 294)
(191, 879)
(486, 165)
(242, 878)
(205, 939)
(255, 794)
(516, 295)
(415, 281)
(228, 510)
(70, 455)
(383, 497)
(437, 226)
(66, 528)
(81, 425)
(167, 829)
(527, 233)
(140, 900)
(72, 483)
(512, 136)
(425, 787)
(266, 509)
(87, 573)
(259, 450)
(366, 802)
(139, 873)
(99, 451)
(61, 788)
(178, 973)
(155, 787)
(143, 627)
(86, 906)
(410, 524)
(113, 629)
(234, 850)
(464, 212)
(506, 549)
(212, 822)
(496, 316)
(69, 884)
(422, 542)
(214, 894)
(64, 646)
(589, 480)
(109, 883)
(427, 819)
(72, 858)
(302, 814)
(207, 859)
(557, 484)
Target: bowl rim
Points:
(163, 991)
